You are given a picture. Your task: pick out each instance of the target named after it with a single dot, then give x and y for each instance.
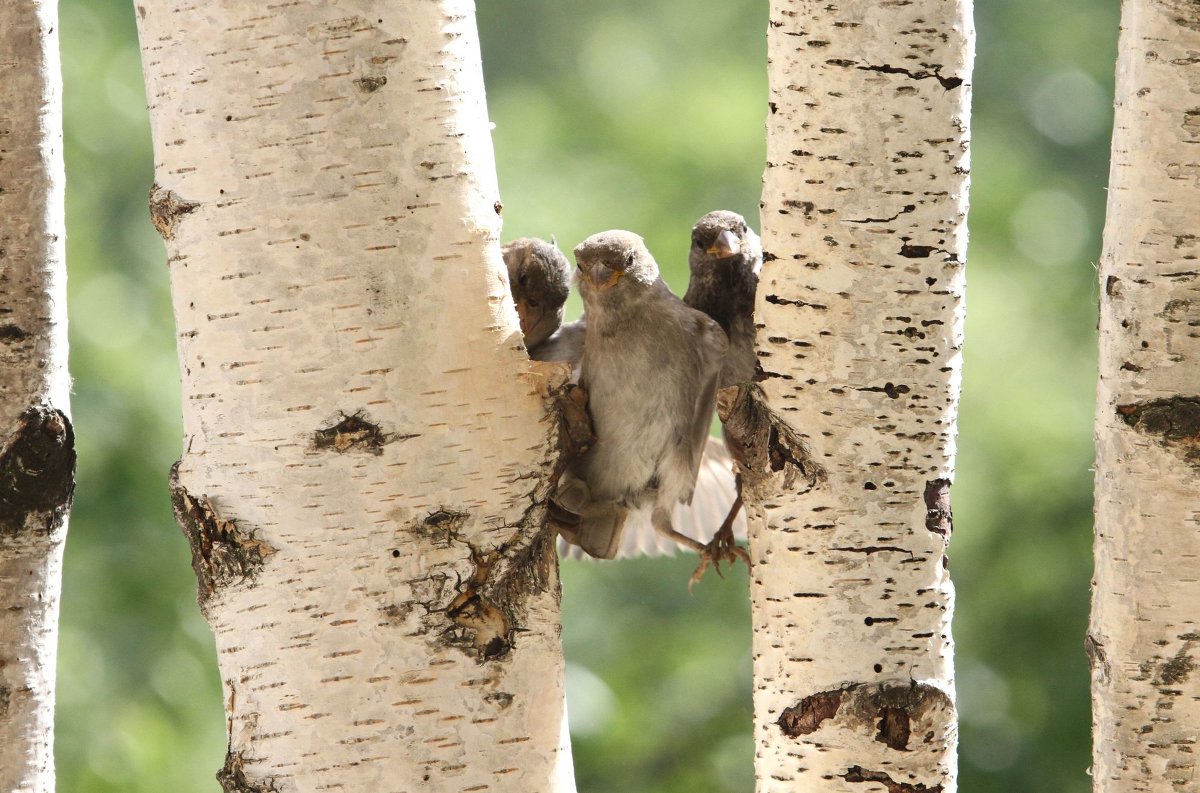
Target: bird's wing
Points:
(711, 345)
(714, 495)
(565, 345)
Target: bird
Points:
(536, 269)
(539, 277)
(725, 259)
(651, 367)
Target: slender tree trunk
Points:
(37, 452)
(860, 311)
(368, 448)
(1144, 638)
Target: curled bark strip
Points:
(222, 552)
(806, 715)
(37, 473)
(762, 443)
(890, 712)
(166, 208)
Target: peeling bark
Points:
(369, 450)
(37, 450)
(860, 316)
(1144, 636)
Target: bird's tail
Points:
(593, 526)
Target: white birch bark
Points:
(1144, 637)
(860, 310)
(367, 445)
(37, 454)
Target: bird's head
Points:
(722, 237)
(611, 263)
(539, 276)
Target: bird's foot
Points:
(722, 548)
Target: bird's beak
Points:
(529, 317)
(602, 277)
(727, 244)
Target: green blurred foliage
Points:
(642, 116)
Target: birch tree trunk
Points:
(37, 450)
(368, 448)
(1144, 638)
(860, 310)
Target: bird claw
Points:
(721, 548)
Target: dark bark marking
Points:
(806, 716)
(916, 251)
(355, 433)
(949, 83)
(783, 301)
(223, 553)
(10, 333)
(939, 518)
(859, 774)
(1176, 420)
(369, 85)
(233, 778)
(907, 208)
(166, 208)
(5, 699)
(891, 389)
(37, 473)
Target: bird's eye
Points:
(628, 260)
(742, 228)
(533, 304)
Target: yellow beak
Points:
(725, 245)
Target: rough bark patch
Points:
(222, 552)
(491, 607)
(1183, 12)
(354, 433)
(37, 473)
(1176, 420)
(233, 778)
(938, 516)
(1176, 670)
(369, 85)
(5, 699)
(859, 774)
(763, 444)
(806, 716)
(166, 208)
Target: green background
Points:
(643, 116)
